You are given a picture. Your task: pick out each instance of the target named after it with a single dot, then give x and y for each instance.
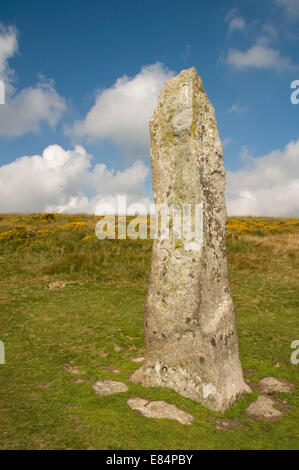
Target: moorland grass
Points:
(59, 341)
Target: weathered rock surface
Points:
(31, 233)
(159, 409)
(73, 369)
(57, 284)
(227, 424)
(270, 385)
(109, 387)
(137, 359)
(111, 369)
(136, 376)
(263, 407)
(190, 321)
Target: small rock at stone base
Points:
(137, 359)
(270, 385)
(73, 369)
(103, 354)
(160, 410)
(136, 377)
(109, 387)
(226, 424)
(263, 407)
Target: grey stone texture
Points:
(109, 387)
(190, 319)
(270, 385)
(159, 409)
(263, 407)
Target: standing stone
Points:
(190, 320)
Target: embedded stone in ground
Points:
(57, 284)
(31, 233)
(113, 370)
(226, 424)
(73, 369)
(270, 385)
(137, 359)
(109, 387)
(136, 376)
(250, 372)
(160, 410)
(103, 354)
(263, 407)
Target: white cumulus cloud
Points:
(24, 110)
(58, 180)
(65, 181)
(291, 8)
(8, 47)
(122, 112)
(267, 186)
(235, 21)
(259, 56)
(238, 109)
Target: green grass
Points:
(51, 333)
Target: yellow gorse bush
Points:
(235, 227)
(19, 233)
(47, 217)
(73, 226)
(44, 232)
(260, 226)
(88, 237)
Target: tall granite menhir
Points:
(190, 319)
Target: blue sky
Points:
(88, 74)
